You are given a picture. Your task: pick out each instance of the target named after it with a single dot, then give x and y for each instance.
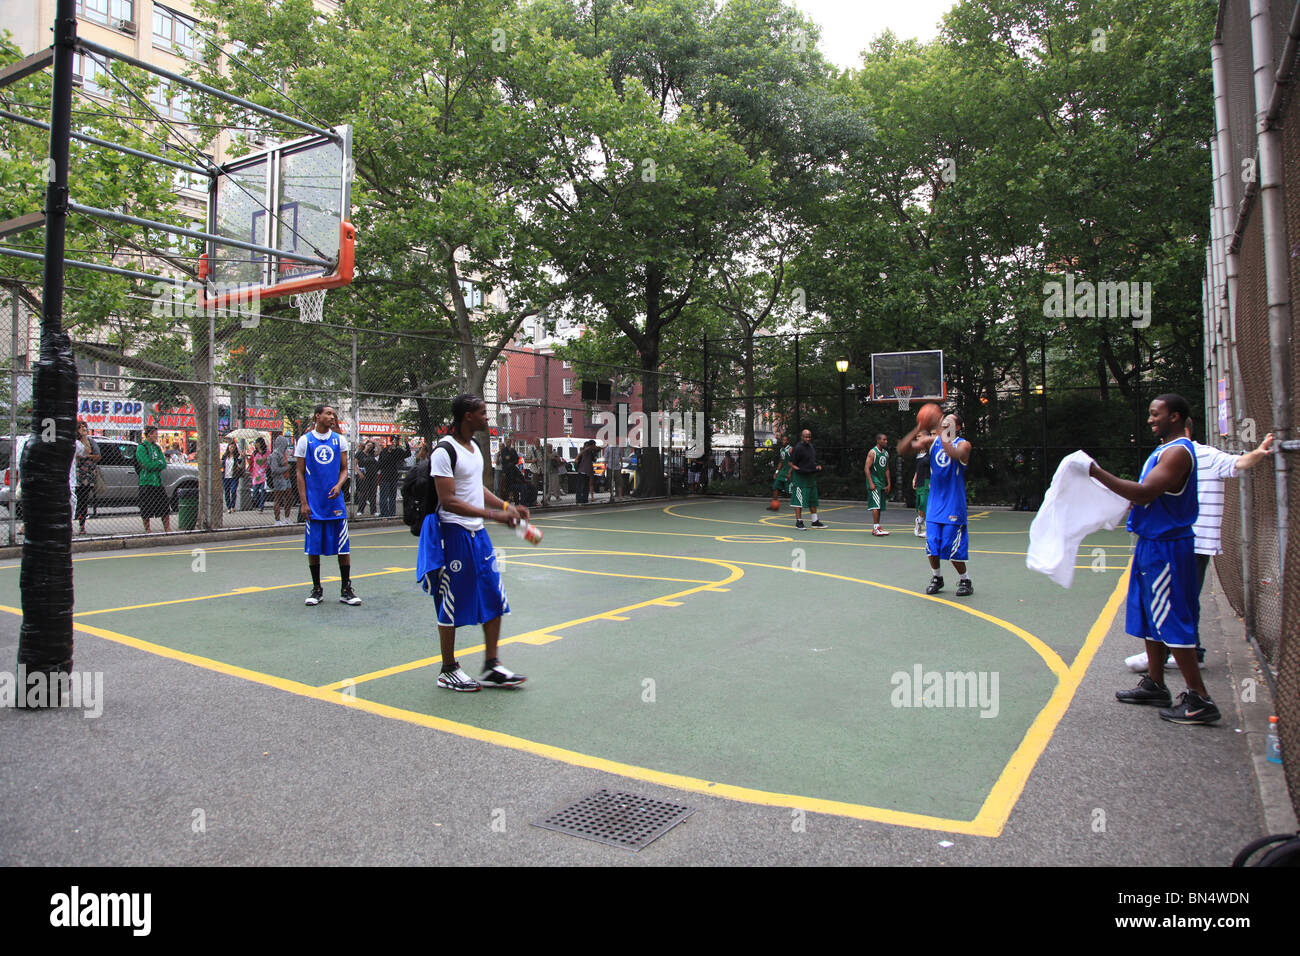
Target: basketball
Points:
(929, 416)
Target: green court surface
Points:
(706, 645)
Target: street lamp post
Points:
(842, 365)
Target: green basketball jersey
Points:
(880, 470)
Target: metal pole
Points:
(708, 417)
(794, 426)
(547, 476)
(844, 428)
(1042, 408)
(1277, 275)
(45, 580)
(210, 426)
(356, 429)
(13, 410)
(1237, 392)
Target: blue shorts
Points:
(946, 541)
(469, 587)
(326, 537)
(1163, 596)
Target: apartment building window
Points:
(118, 14)
(173, 30)
(568, 386)
(173, 104)
(183, 179)
(568, 420)
(92, 75)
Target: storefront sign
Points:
(110, 413)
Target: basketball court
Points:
(704, 645)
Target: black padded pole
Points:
(45, 641)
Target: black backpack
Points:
(420, 491)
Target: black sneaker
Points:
(314, 598)
(965, 588)
(347, 596)
(800, 526)
(457, 679)
(498, 676)
(1191, 708)
(818, 523)
(936, 585)
(1147, 692)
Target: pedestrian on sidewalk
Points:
(87, 470)
(232, 469)
(258, 461)
(149, 464)
(278, 467)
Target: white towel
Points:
(1074, 507)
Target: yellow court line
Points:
(812, 536)
(605, 574)
(189, 552)
(995, 812)
(241, 592)
(989, 822)
(1053, 660)
(544, 635)
(691, 784)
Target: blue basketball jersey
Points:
(1173, 513)
(947, 504)
(321, 473)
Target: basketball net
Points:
(904, 395)
(310, 305)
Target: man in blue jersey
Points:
(1164, 605)
(322, 456)
(945, 512)
(468, 588)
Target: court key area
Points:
(705, 645)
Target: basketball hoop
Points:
(310, 305)
(904, 395)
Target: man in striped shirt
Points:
(1213, 467)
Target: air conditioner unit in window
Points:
(108, 384)
(126, 26)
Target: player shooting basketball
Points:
(945, 518)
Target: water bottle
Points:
(1273, 748)
(528, 532)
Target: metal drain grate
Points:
(618, 819)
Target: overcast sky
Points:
(848, 25)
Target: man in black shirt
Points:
(803, 480)
(921, 484)
(390, 465)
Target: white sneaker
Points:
(1138, 662)
(457, 680)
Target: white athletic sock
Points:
(965, 577)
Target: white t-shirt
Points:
(468, 477)
(16, 458)
(300, 449)
(1212, 467)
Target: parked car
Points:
(120, 485)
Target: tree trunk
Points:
(650, 482)
(747, 449)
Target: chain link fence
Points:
(560, 431)
(781, 384)
(1252, 356)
